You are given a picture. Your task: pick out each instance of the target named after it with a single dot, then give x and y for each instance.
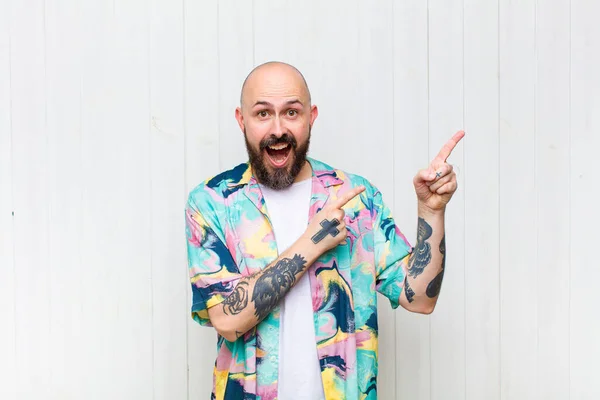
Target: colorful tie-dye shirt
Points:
(229, 236)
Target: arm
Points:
(255, 296)
(434, 188)
(423, 280)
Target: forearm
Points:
(255, 296)
(425, 273)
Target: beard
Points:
(277, 178)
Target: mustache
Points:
(283, 139)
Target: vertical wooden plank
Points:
(64, 177)
(446, 24)
(30, 185)
(130, 109)
(236, 60)
(201, 108)
(98, 199)
(585, 215)
(332, 72)
(518, 202)
(167, 196)
(411, 126)
(375, 80)
(272, 39)
(552, 38)
(7, 262)
(285, 32)
(116, 197)
(481, 191)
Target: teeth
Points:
(280, 146)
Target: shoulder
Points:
(216, 189)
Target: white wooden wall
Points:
(111, 110)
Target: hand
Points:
(327, 229)
(436, 185)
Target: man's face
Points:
(276, 117)
(277, 160)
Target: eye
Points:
(292, 113)
(263, 114)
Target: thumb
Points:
(424, 176)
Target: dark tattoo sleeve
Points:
(422, 255)
(434, 287)
(329, 228)
(408, 290)
(237, 300)
(274, 283)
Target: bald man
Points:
(286, 255)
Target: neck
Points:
(305, 172)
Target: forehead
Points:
(277, 85)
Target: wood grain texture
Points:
(518, 203)
(98, 200)
(446, 24)
(481, 191)
(411, 153)
(272, 38)
(116, 239)
(552, 163)
(167, 196)
(31, 190)
(7, 261)
(285, 31)
(333, 70)
(130, 75)
(585, 216)
(63, 126)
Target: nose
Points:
(278, 128)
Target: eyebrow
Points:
(266, 103)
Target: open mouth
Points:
(279, 153)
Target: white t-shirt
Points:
(299, 371)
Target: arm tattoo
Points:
(237, 300)
(408, 291)
(443, 250)
(274, 283)
(434, 287)
(422, 255)
(329, 227)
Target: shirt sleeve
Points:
(212, 270)
(392, 251)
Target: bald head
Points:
(274, 78)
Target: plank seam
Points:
(150, 228)
(569, 193)
(428, 150)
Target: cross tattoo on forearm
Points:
(329, 228)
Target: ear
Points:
(314, 113)
(240, 118)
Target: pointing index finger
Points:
(449, 146)
(346, 197)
